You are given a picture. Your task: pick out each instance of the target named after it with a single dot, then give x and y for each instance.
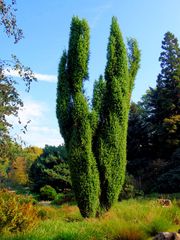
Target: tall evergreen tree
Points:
(96, 139)
(74, 121)
(167, 102)
(168, 81)
(112, 129)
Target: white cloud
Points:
(32, 110)
(39, 76)
(40, 129)
(41, 136)
(46, 77)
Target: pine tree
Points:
(167, 102)
(168, 81)
(73, 115)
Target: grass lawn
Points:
(127, 220)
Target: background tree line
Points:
(154, 127)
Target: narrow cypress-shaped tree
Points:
(96, 140)
(111, 134)
(73, 116)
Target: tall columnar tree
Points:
(168, 81)
(166, 100)
(112, 128)
(96, 139)
(74, 121)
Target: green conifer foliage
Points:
(96, 139)
(73, 116)
(97, 100)
(133, 61)
(167, 102)
(63, 99)
(112, 129)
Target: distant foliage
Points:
(15, 164)
(62, 198)
(48, 193)
(154, 126)
(16, 213)
(18, 172)
(7, 161)
(130, 188)
(95, 138)
(31, 154)
(169, 181)
(51, 168)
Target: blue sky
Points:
(46, 28)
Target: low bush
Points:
(42, 214)
(63, 198)
(48, 193)
(17, 213)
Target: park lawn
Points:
(134, 219)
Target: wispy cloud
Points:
(100, 11)
(41, 136)
(46, 77)
(41, 77)
(39, 130)
(31, 110)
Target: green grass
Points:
(127, 220)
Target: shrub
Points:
(48, 193)
(51, 168)
(42, 214)
(63, 198)
(16, 214)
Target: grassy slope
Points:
(127, 220)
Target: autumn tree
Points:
(10, 100)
